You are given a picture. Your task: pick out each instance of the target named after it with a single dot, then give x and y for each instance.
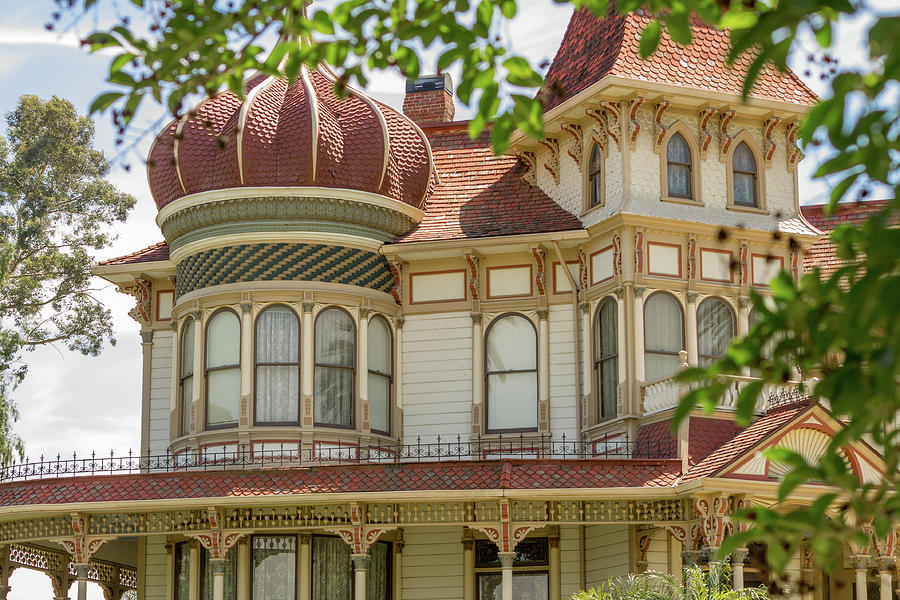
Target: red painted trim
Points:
(553, 266)
(753, 269)
(158, 294)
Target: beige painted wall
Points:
(160, 390)
(433, 564)
(605, 553)
(563, 408)
(156, 568)
(569, 561)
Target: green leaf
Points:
(650, 38)
(104, 101)
(679, 27)
(120, 61)
(321, 22)
(520, 73)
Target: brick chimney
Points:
(429, 99)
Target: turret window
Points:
(380, 376)
(678, 155)
(186, 376)
(744, 176)
(663, 336)
(606, 357)
(277, 366)
(223, 369)
(595, 177)
(715, 329)
(335, 368)
(511, 375)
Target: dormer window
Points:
(679, 164)
(595, 177)
(744, 176)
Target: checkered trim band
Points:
(283, 262)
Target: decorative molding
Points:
(583, 269)
(612, 109)
(539, 274)
(725, 139)
(216, 541)
(659, 110)
(141, 290)
(795, 265)
(617, 254)
(473, 280)
(600, 132)
(712, 523)
(530, 162)
(692, 258)
(769, 145)
(705, 134)
(634, 126)
(396, 268)
(743, 258)
(81, 546)
(638, 251)
(576, 149)
(551, 163)
(359, 536)
(794, 154)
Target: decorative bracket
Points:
(472, 262)
(692, 258)
(358, 536)
(599, 133)
(576, 150)
(81, 546)
(634, 126)
(505, 534)
(617, 254)
(638, 251)
(140, 289)
(659, 129)
(713, 525)
(794, 155)
(530, 176)
(216, 541)
(539, 274)
(583, 269)
(396, 268)
(706, 135)
(744, 263)
(769, 143)
(552, 161)
(725, 140)
(612, 128)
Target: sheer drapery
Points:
(377, 579)
(511, 374)
(715, 329)
(274, 567)
(332, 573)
(743, 170)
(335, 368)
(380, 361)
(678, 155)
(206, 577)
(187, 374)
(277, 366)
(182, 571)
(596, 176)
(606, 356)
(223, 368)
(663, 336)
(526, 586)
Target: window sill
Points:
(755, 210)
(591, 209)
(676, 200)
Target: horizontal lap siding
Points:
(161, 391)
(605, 553)
(156, 569)
(563, 407)
(569, 561)
(658, 552)
(432, 564)
(437, 377)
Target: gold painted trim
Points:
(299, 237)
(314, 117)
(242, 119)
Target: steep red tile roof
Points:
(706, 435)
(448, 477)
(593, 48)
(481, 194)
(158, 251)
(656, 437)
(822, 253)
(743, 442)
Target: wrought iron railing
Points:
(336, 452)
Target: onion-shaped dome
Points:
(290, 135)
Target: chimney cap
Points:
(427, 83)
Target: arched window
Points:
(715, 329)
(595, 177)
(606, 356)
(277, 371)
(663, 336)
(678, 156)
(335, 368)
(380, 361)
(744, 176)
(223, 369)
(511, 375)
(186, 376)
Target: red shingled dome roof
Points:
(284, 135)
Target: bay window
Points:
(277, 372)
(715, 329)
(380, 376)
(511, 374)
(606, 357)
(223, 369)
(663, 336)
(335, 368)
(186, 375)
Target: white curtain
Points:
(678, 155)
(380, 370)
(187, 374)
(223, 364)
(663, 336)
(511, 374)
(606, 351)
(715, 329)
(744, 175)
(277, 366)
(182, 571)
(332, 575)
(335, 367)
(274, 567)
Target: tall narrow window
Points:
(274, 563)
(511, 375)
(335, 368)
(606, 356)
(223, 369)
(663, 336)
(744, 176)
(678, 155)
(186, 378)
(715, 329)
(277, 367)
(595, 176)
(182, 571)
(380, 361)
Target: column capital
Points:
(476, 318)
(886, 563)
(308, 306)
(217, 565)
(506, 559)
(739, 555)
(862, 563)
(147, 336)
(692, 297)
(639, 291)
(360, 561)
(82, 571)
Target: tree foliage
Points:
(841, 329)
(55, 210)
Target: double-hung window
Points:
(511, 374)
(223, 369)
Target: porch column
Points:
(81, 576)
(506, 574)
(477, 375)
(217, 566)
(737, 567)
(398, 570)
(886, 569)
(690, 330)
(468, 566)
(243, 570)
(861, 585)
(360, 567)
(639, 371)
(304, 568)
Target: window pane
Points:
(331, 571)
(511, 345)
(715, 329)
(187, 348)
(526, 586)
(274, 563)
(187, 396)
(334, 396)
(512, 401)
(744, 159)
(379, 402)
(379, 351)
(744, 189)
(658, 366)
(596, 189)
(277, 336)
(224, 394)
(206, 576)
(335, 338)
(182, 571)
(608, 373)
(662, 324)
(606, 336)
(377, 579)
(277, 394)
(679, 180)
(596, 159)
(678, 150)
(223, 340)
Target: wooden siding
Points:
(605, 553)
(160, 391)
(563, 408)
(432, 564)
(156, 577)
(569, 561)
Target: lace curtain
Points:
(274, 567)
(512, 374)
(606, 350)
(663, 336)
(335, 364)
(277, 366)
(715, 329)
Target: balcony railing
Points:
(289, 455)
(666, 393)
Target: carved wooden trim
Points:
(396, 268)
(141, 290)
(528, 158)
(552, 161)
(600, 132)
(725, 139)
(539, 274)
(617, 254)
(634, 126)
(612, 110)
(576, 150)
(659, 110)
(638, 251)
(472, 262)
(706, 135)
(769, 145)
(794, 155)
(692, 258)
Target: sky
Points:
(70, 403)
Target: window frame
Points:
(207, 369)
(598, 360)
(183, 547)
(587, 172)
(296, 559)
(390, 376)
(760, 181)
(683, 332)
(493, 570)
(694, 167)
(316, 364)
(700, 355)
(487, 424)
(185, 410)
(298, 364)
